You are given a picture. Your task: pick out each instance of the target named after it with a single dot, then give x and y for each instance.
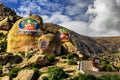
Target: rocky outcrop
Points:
(25, 74)
(24, 33)
(10, 59)
(7, 58)
(5, 78)
(49, 43)
(38, 60)
(5, 24)
(7, 17)
(5, 12)
(68, 47)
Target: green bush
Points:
(106, 66)
(14, 72)
(110, 68)
(51, 57)
(3, 46)
(84, 77)
(72, 62)
(37, 73)
(2, 36)
(109, 77)
(70, 56)
(56, 73)
(92, 77)
(63, 56)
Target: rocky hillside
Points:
(7, 17)
(112, 44)
(31, 47)
(86, 45)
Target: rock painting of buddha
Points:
(29, 25)
(43, 43)
(64, 35)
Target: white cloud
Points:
(77, 26)
(65, 21)
(75, 9)
(106, 20)
(104, 15)
(56, 17)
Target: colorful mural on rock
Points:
(64, 34)
(29, 26)
(44, 43)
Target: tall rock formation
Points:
(7, 17)
(25, 33)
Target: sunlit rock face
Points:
(49, 43)
(25, 33)
(68, 47)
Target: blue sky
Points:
(87, 17)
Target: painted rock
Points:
(49, 43)
(24, 33)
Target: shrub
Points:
(2, 36)
(56, 73)
(84, 77)
(3, 46)
(14, 72)
(109, 77)
(71, 56)
(72, 62)
(63, 56)
(37, 73)
(110, 68)
(51, 57)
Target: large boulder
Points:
(8, 58)
(25, 74)
(49, 43)
(24, 33)
(5, 78)
(42, 75)
(38, 60)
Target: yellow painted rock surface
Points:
(49, 43)
(18, 40)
